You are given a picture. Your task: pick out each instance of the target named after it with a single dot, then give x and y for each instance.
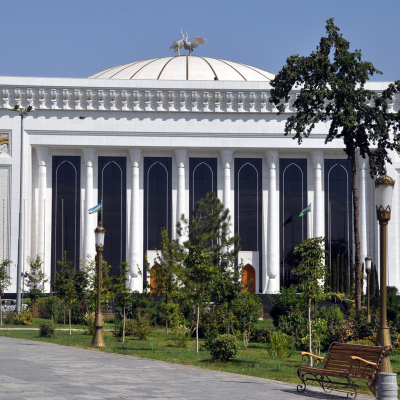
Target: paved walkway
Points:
(34, 370)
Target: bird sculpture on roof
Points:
(178, 44)
(198, 40)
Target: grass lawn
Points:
(255, 361)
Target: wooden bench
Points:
(344, 365)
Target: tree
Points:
(167, 276)
(35, 279)
(65, 285)
(122, 291)
(311, 271)
(247, 310)
(199, 275)
(5, 282)
(332, 89)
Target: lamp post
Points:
(383, 189)
(368, 270)
(22, 112)
(98, 340)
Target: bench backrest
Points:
(339, 358)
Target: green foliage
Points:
(285, 302)
(145, 302)
(280, 344)
(247, 310)
(36, 278)
(23, 318)
(47, 329)
(5, 281)
(50, 307)
(294, 324)
(182, 335)
(168, 277)
(331, 84)
(393, 306)
(89, 321)
(261, 334)
(141, 326)
(223, 348)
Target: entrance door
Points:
(249, 276)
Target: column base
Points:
(272, 286)
(387, 386)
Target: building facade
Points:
(149, 139)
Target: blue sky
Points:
(73, 38)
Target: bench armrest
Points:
(304, 353)
(364, 361)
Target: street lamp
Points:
(383, 196)
(98, 340)
(22, 112)
(367, 264)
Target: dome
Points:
(186, 68)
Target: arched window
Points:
(112, 194)
(155, 269)
(66, 210)
(293, 199)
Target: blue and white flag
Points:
(95, 209)
(306, 210)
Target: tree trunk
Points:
(309, 331)
(229, 319)
(166, 324)
(123, 327)
(197, 328)
(69, 318)
(356, 217)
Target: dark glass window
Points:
(66, 181)
(112, 194)
(202, 179)
(338, 219)
(248, 205)
(157, 200)
(293, 200)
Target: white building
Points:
(150, 138)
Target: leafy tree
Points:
(247, 310)
(167, 276)
(35, 279)
(310, 272)
(332, 89)
(122, 291)
(5, 282)
(65, 285)
(199, 276)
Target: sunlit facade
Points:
(148, 140)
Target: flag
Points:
(95, 209)
(289, 220)
(306, 210)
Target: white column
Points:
(317, 208)
(135, 232)
(89, 246)
(363, 215)
(227, 158)
(42, 153)
(273, 226)
(181, 156)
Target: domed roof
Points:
(189, 68)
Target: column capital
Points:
(317, 157)
(272, 158)
(88, 154)
(180, 156)
(42, 153)
(136, 156)
(227, 155)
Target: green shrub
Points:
(280, 344)
(119, 325)
(181, 335)
(141, 326)
(261, 334)
(23, 318)
(49, 307)
(89, 321)
(47, 329)
(285, 302)
(294, 324)
(223, 348)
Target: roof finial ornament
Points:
(178, 44)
